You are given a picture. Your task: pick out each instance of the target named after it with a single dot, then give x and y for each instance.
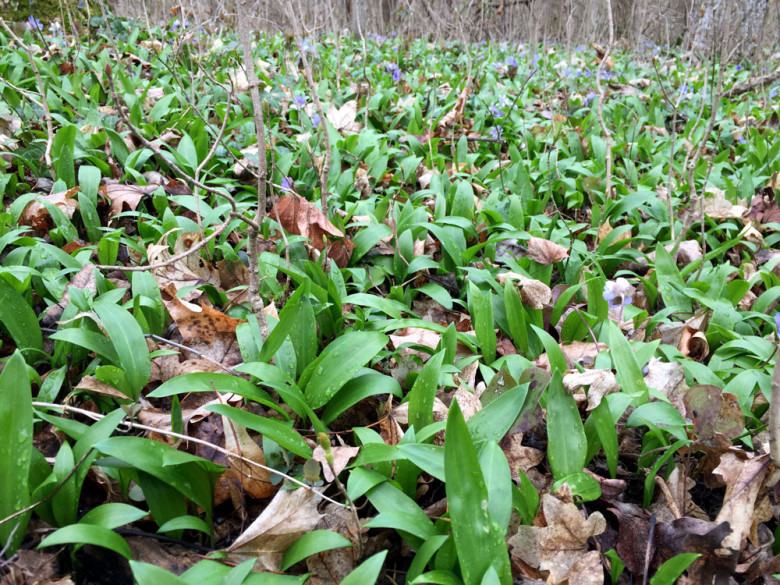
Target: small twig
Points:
(670, 501)
(193, 351)
(600, 107)
(649, 550)
(226, 452)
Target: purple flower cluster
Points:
(393, 68)
(34, 23)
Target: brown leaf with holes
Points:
(341, 456)
(192, 270)
(344, 119)
(559, 545)
(204, 329)
(544, 251)
(298, 216)
(599, 383)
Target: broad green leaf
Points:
(567, 445)
(479, 539)
(498, 479)
(208, 382)
(190, 475)
(670, 281)
(368, 571)
(16, 444)
(493, 421)
(113, 515)
(148, 574)
(481, 308)
(629, 372)
(274, 429)
(312, 543)
(424, 555)
(340, 360)
(605, 428)
(582, 485)
(88, 534)
(185, 522)
(361, 386)
(423, 392)
(668, 573)
(19, 319)
(129, 342)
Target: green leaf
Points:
(629, 372)
(567, 445)
(605, 428)
(129, 342)
(274, 429)
(185, 522)
(362, 386)
(660, 414)
(493, 421)
(312, 543)
(498, 479)
(670, 281)
(190, 475)
(208, 382)
(479, 540)
(481, 309)
(113, 515)
(668, 573)
(19, 319)
(16, 444)
(424, 555)
(147, 574)
(340, 360)
(88, 534)
(582, 485)
(368, 571)
(423, 392)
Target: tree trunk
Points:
(735, 26)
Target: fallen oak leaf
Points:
(545, 251)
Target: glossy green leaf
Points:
(16, 444)
(367, 572)
(148, 574)
(479, 539)
(567, 445)
(629, 372)
(19, 319)
(669, 572)
(423, 392)
(370, 383)
(481, 309)
(186, 522)
(498, 479)
(274, 429)
(113, 515)
(129, 344)
(340, 360)
(88, 534)
(312, 543)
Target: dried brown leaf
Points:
(545, 251)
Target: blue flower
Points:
(773, 93)
(618, 293)
(496, 132)
(511, 62)
(777, 321)
(393, 68)
(315, 120)
(34, 23)
(496, 112)
(287, 184)
(739, 67)
(742, 140)
(299, 102)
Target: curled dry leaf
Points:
(599, 382)
(125, 197)
(533, 293)
(545, 251)
(290, 515)
(341, 456)
(455, 115)
(192, 270)
(344, 118)
(559, 545)
(417, 336)
(255, 481)
(298, 216)
(37, 216)
(744, 479)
